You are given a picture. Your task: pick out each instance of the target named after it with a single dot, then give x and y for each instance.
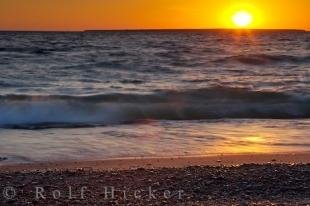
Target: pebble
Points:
(250, 184)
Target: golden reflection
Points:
(249, 148)
(249, 144)
(255, 139)
(249, 138)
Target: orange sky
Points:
(149, 14)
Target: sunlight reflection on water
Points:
(157, 138)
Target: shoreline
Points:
(162, 162)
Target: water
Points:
(92, 95)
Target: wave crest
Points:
(23, 111)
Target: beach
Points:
(163, 162)
(204, 117)
(248, 179)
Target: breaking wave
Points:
(37, 112)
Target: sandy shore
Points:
(150, 163)
(269, 179)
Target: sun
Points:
(242, 19)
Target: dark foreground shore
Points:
(249, 184)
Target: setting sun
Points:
(242, 19)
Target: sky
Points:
(72, 15)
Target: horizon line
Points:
(180, 29)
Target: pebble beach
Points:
(248, 184)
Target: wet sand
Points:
(267, 179)
(178, 162)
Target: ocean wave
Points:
(25, 111)
(34, 50)
(263, 59)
